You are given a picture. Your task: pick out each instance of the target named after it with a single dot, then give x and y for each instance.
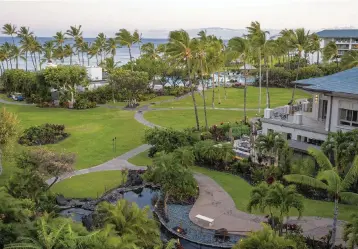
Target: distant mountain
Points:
(223, 33)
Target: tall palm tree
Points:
(101, 44)
(299, 39)
(257, 38)
(350, 59)
(330, 52)
(16, 54)
(350, 233)
(125, 38)
(149, 50)
(241, 49)
(7, 47)
(79, 41)
(9, 29)
(314, 45)
(60, 40)
(68, 52)
(48, 50)
(180, 50)
(111, 47)
(328, 179)
(93, 51)
(201, 52)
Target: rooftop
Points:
(338, 33)
(342, 82)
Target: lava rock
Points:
(221, 233)
(61, 200)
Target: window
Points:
(348, 117)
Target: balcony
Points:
(302, 118)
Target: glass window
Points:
(348, 117)
(355, 116)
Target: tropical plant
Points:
(128, 220)
(180, 50)
(125, 38)
(149, 50)
(9, 29)
(111, 47)
(265, 239)
(270, 145)
(8, 132)
(350, 59)
(330, 52)
(329, 180)
(350, 234)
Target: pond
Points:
(179, 215)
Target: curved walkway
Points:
(214, 202)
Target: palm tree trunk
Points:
(70, 59)
(130, 59)
(204, 100)
(213, 97)
(334, 226)
(26, 60)
(79, 58)
(245, 94)
(260, 80)
(83, 60)
(88, 60)
(193, 97)
(225, 84)
(289, 61)
(317, 57)
(294, 89)
(219, 87)
(39, 60)
(267, 82)
(33, 62)
(10, 63)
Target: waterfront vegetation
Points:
(28, 211)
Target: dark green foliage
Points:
(168, 140)
(43, 134)
(18, 80)
(309, 72)
(176, 91)
(84, 104)
(213, 155)
(101, 95)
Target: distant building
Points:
(94, 73)
(333, 107)
(346, 39)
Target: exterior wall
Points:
(94, 73)
(295, 132)
(338, 103)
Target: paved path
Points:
(214, 202)
(14, 103)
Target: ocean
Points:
(122, 55)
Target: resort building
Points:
(346, 39)
(333, 107)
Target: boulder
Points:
(61, 200)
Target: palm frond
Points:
(305, 180)
(349, 197)
(321, 158)
(351, 176)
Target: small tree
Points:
(270, 144)
(8, 132)
(130, 84)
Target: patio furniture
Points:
(206, 220)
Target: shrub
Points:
(176, 91)
(309, 72)
(238, 85)
(43, 134)
(84, 104)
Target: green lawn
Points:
(143, 103)
(240, 190)
(141, 159)
(180, 119)
(5, 97)
(91, 131)
(91, 185)
(235, 98)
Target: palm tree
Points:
(74, 32)
(79, 41)
(180, 50)
(7, 48)
(68, 52)
(60, 40)
(111, 47)
(149, 50)
(101, 44)
(330, 52)
(270, 144)
(48, 49)
(93, 51)
(328, 179)
(257, 38)
(314, 45)
(350, 234)
(125, 38)
(9, 29)
(299, 40)
(350, 59)
(109, 64)
(265, 239)
(241, 49)
(128, 218)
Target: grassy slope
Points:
(141, 159)
(278, 97)
(240, 190)
(185, 118)
(90, 185)
(143, 103)
(91, 131)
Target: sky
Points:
(48, 16)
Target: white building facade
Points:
(346, 39)
(333, 107)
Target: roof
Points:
(338, 33)
(342, 82)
